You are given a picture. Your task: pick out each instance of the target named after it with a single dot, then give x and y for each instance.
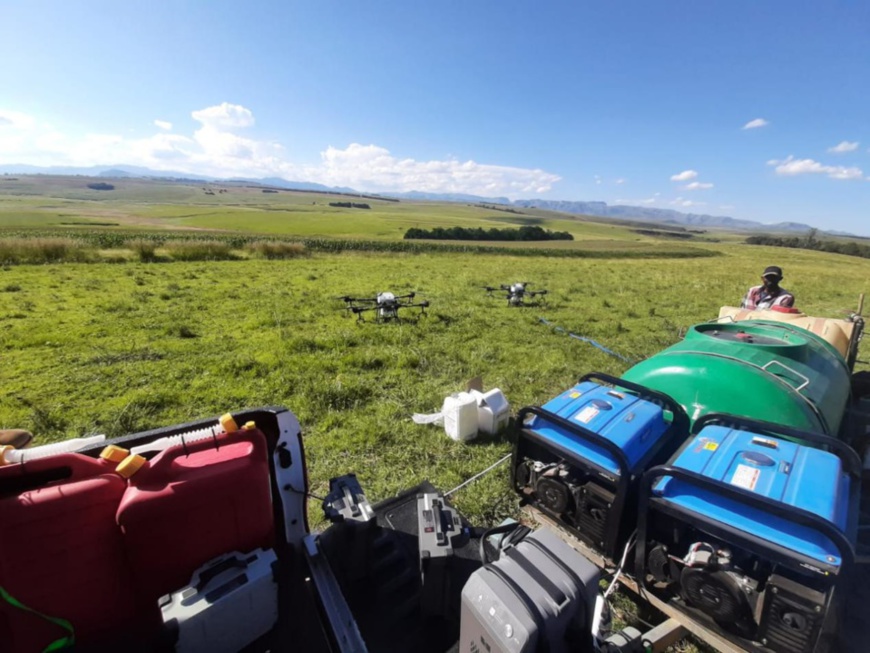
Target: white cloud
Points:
(217, 148)
(791, 167)
(224, 115)
(697, 185)
(726, 206)
(619, 181)
(684, 203)
(685, 175)
(755, 124)
(15, 120)
(163, 124)
(844, 146)
(597, 180)
(374, 168)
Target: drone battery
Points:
(539, 596)
(229, 603)
(438, 525)
(578, 457)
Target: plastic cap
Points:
(3, 450)
(114, 454)
(229, 423)
(130, 465)
(249, 425)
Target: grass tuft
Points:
(43, 250)
(199, 250)
(144, 248)
(275, 250)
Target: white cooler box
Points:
(230, 602)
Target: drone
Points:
(516, 292)
(385, 304)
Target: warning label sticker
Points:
(574, 395)
(711, 446)
(587, 414)
(746, 477)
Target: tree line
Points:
(463, 233)
(350, 205)
(811, 241)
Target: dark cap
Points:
(772, 271)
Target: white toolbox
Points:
(230, 602)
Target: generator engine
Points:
(578, 457)
(750, 532)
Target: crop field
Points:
(120, 347)
(47, 201)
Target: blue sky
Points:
(644, 102)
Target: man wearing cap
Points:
(768, 294)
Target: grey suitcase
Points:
(539, 596)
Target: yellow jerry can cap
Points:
(130, 465)
(229, 423)
(114, 453)
(249, 425)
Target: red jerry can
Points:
(194, 502)
(62, 555)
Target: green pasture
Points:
(117, 348)
(49, 201)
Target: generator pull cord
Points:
(478, 475)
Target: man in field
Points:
(769, 293)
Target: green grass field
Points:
(118, 348)
(47, 201)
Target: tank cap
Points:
(249, 425)
(229, 423)
(130, 465)
(757, 458)
(3, 449)
(114, 454)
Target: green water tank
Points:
(768, 371)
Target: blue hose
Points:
(592, 342)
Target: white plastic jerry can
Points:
(460, 416)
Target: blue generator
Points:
(578, 458)
(752, 533)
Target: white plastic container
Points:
(10, 455)
(460, 416)
(493, 410)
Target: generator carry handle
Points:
(746, 497)
(680, 420)
(851, 461)
(583, 433)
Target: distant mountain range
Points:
(597, 209)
